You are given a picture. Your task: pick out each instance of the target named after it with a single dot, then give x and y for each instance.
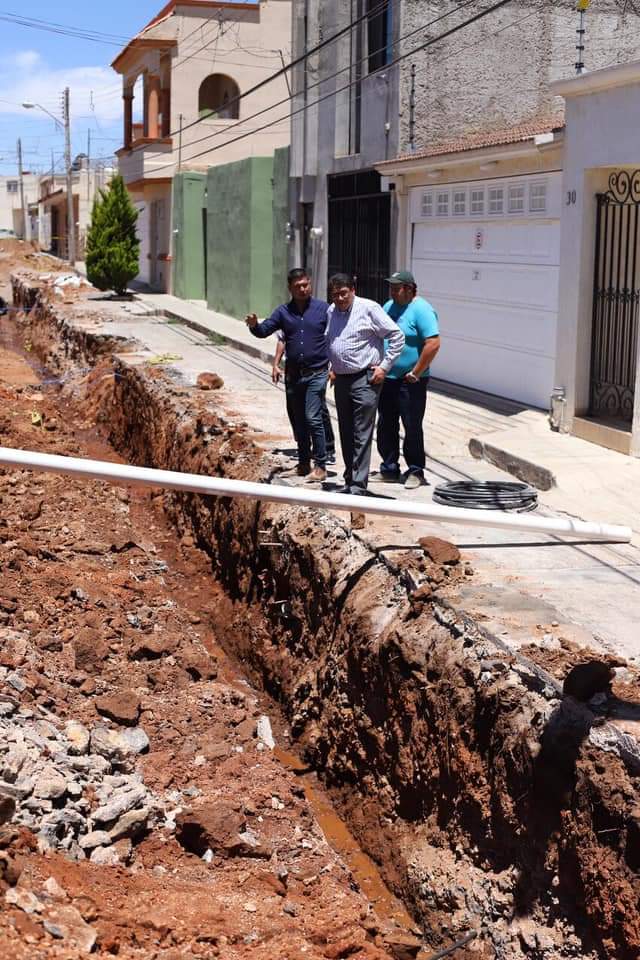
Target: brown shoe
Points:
(317, 475)
(358, 521)
(302, 470)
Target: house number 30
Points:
(571, 197)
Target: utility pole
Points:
(71, 220)
(21, 179)
(88, 165)
(180, 144)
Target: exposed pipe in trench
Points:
(222, 487)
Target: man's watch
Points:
(412, 377)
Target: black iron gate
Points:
(360, 231)
(616, 298)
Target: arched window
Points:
(217, 97)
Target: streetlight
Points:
(71, 226)
(38, 106)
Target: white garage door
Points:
(486, 255)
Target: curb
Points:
(207, 331)
(539, 477)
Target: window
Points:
(12, 186)
(217, 98)
(496, 200)
(443, 204)
(538, 197)
(516, 198)
(378, 34)
(477, 202)
(459, 203)
(426, 207)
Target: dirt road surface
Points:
(152, 817)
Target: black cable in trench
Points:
(447, 951)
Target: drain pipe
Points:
(221, 487)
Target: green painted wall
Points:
(240, 230)
(189, 263)
(280, 252)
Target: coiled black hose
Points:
(487, 495)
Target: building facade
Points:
(52, 207)
(345, 118)
(598, 346)
(11, 212)
(477, 184)
(182, 76)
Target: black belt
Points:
(294, 368)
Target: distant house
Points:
(11, 213)
(182, 75)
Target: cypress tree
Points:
(113, 247)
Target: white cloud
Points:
(26, 77)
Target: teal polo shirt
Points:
(418, 321)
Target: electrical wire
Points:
(73, 32)
(210, 136)
(333, 93)
(305, 56)
(487, 495)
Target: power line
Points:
(324, 80)
(478, 16)
(294, 63)
(62, 30)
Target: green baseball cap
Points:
(401, 276)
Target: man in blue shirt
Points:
(303, 321)
(404, 394)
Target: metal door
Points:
(616, 297)
(360, 231)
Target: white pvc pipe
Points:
(220, 487)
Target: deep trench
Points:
(459, 768)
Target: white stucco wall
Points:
(602, 135)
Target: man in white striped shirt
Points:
(360, 359)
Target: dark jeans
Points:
(357, 403)
(407, 402)
(306, 393)
(326, 419)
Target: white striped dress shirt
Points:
(356, 338)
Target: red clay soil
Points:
(103, 616)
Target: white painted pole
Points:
(220, 487)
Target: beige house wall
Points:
(10, 218)
(162, 72)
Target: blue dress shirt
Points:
(305, 333)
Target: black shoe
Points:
(331, 458)
(389, 477)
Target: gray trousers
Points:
(357, 405)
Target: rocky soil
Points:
(143, 810)
(493, 799)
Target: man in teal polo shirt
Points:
(404, 394)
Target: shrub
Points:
(113, 247)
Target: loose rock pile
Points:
(73, 786)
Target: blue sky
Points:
(36, 66)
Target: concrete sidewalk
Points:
(526, 589)
(580, 478)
